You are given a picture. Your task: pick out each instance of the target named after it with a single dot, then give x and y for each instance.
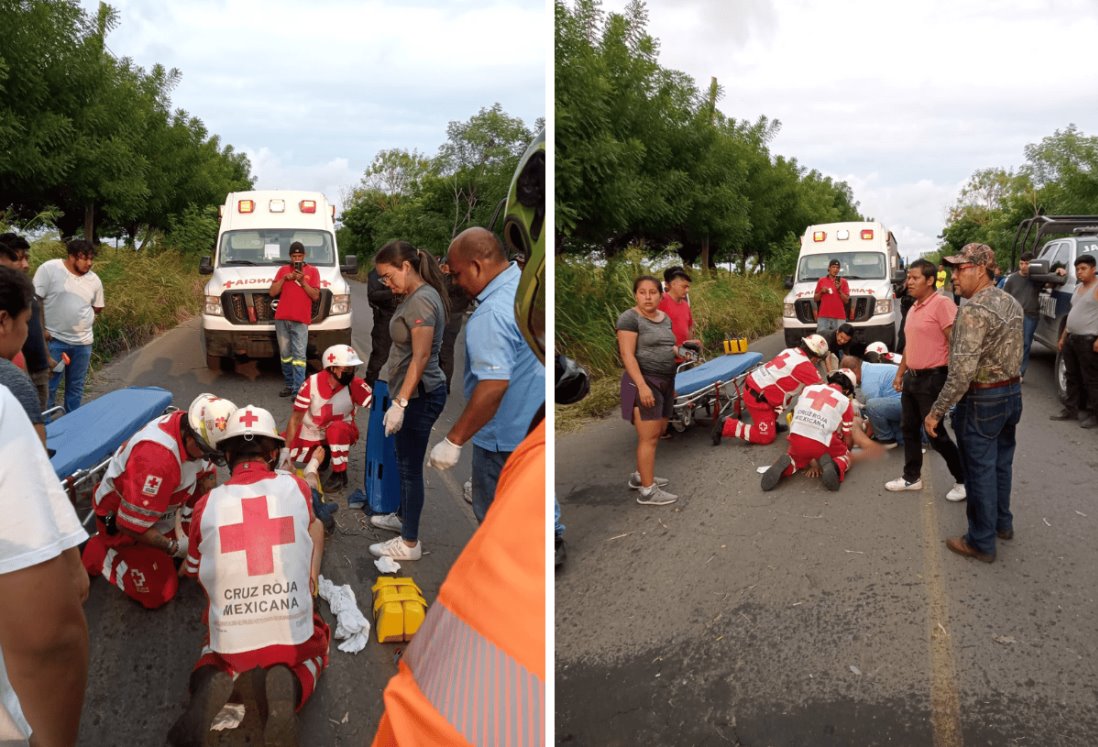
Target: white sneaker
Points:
(635, 481)
(387, 521)
(397, 550)
(957, 493)
(467, 492)
(900, 484)
(654, 496)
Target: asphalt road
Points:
(141, 660)
(802, 617)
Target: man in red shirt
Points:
(674, 303)
(922, 374)
(832, 295)
(324, 412)
(296, 286)
(143, 502)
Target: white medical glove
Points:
(284, 459)
(394, 418)
(184, 544)
(445, 454)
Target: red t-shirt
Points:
(831, 307)
(294, 305)
(682, 321)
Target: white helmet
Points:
(877, 347)
(208, 417)
(816, 344)
(836, 376)
(340, 355)
(250, 421)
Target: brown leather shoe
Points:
(1005, 534)
(959, 546)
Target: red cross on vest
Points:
(780, 359)
(249, 419)
(257, 535)
(822, 397)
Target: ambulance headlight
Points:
(341, 304)
(884, 306)
(213, 306)
(787, 311)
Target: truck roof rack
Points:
(1032, 230)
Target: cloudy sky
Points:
(903, 101)
(311, 91)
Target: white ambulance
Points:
(870, 263)
(253, 241)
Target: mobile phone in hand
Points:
(298, 266)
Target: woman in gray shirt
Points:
(647, 347)
(415, 380)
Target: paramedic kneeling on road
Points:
(769, 388)
(150, 478)
(324, 412)
(256, 548)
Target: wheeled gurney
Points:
(715, 386)
(82, 442)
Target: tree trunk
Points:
(89, 222)
(705, 261)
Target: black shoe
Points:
(1065, 414)
(280, 724)
(773, 476)
(206, 701)
(781, 426)
(717, 431)
(335, 482)
(1005, 534)
(829, 473)
(286, 392)
(1091, 422)
(560, 552)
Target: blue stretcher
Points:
(715, 386)
(83, 441)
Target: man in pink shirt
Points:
(831, 296)
(921, 376)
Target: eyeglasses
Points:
(965, 266)
(385, 278)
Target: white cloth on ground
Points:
(351, 624)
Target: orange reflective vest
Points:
(475, 671)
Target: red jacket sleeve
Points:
(146, 486)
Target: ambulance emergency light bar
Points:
(842, 235)
(276, 206)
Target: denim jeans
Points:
(1029, 328)
(985, 422)
(918, 396)
(74, 373)
(885, 414)
(292, 338)
(486, 468)
(558, 528)
(826, 324)
(411, 447)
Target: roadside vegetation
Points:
(590, 297)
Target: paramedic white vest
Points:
(254, 560)
(154, 433)
(341, 406)
(819, 413)
(779, 372)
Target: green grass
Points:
(589, 299)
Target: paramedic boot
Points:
(277, 699)
(335, 482)
(717, 432)
(210, 688)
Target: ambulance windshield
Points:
(271, 247)
(853, 266)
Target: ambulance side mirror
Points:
(205, 266)
(789, 282)
(350, 265)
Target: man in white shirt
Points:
(43, 632)
(73, 297)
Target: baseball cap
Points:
(973, 254)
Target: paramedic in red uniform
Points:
(324, 412)
(769, 388)
(255, 547)
(822, 426)
(143, 499)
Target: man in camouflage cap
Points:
(985, 361)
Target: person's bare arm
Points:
(481, 408)
(294, 426)
(627, 347)
(40, 429)
(422, 339)
(844, 297)
(276, 286)
(312, 291)
(316, 532)
(44, 637)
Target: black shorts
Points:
(663, 389)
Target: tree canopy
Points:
(644, 156)
(89, 142)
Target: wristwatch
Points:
(402, 401)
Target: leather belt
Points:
(917, 372)
(994, 384)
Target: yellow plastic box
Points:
(735, 345)
(399, 608)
